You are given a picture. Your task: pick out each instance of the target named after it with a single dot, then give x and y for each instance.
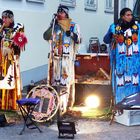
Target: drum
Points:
(49, 102)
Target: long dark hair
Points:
(125, 25)
(123, 11)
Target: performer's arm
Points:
(75, 34)
(139, 29)
(108, 37)
(47, 34)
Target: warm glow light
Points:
(92, 101)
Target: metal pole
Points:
(113, 98)
(50, 63)
(116, 10)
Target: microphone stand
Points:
(50, 63)
(1, 25)
(1, 28)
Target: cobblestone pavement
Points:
(86, 130)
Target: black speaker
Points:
(3, 121)
(103, 48)
(66, 129)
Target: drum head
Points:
(49, 102)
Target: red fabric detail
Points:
(20, 40)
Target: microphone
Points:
(1, 22)
(54, 19)
(55, 14)
(1, 25)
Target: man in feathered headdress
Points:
(65, 36)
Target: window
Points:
(39, 1)
(109, 6)
(136, 10)
(124, 3)
(70, 3)
(91, 5)
(134, 2)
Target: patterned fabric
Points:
(10, 84)
(125, 58)
(64, 49)
(64, 38)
